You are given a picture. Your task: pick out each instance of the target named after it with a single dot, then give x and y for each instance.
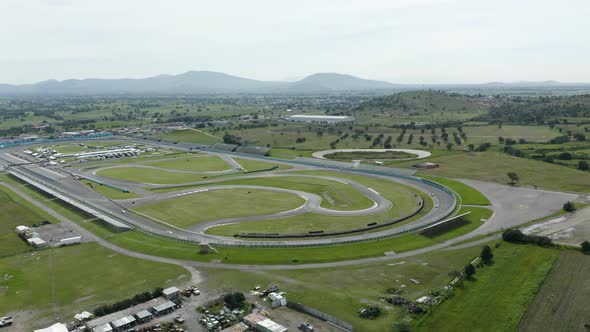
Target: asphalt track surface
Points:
(65, 184)
(419, 153)
(507, 197)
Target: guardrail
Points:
(190, 237)
(54, 140)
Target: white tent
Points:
(57, 327)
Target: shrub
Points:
(569, 207)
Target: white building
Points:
(320, 118)
(268, 325)
(277, 300)
(57, 327)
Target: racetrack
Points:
(442, 200)
(419, 153)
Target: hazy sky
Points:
(404, 41)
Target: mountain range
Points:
(195, 82)
(209, 82)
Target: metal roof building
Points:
(320, 118)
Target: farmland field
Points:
(498, 296)
(561, 304)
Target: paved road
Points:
(71, 187)
(419, 153)
(187, 264)
(515, 206)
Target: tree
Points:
(513, 235)
(486, 254)
(469, 271)
(569, 207)
(583, 165)
(234, 300)
(231, 139)
(585, 247)
(513, 177)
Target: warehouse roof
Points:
(319, 117)
(164, 306)
(123, 321)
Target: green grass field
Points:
(190, 136)
(469, 195)
(153, 156)
(14, 212)
(493, 166)
(361, 155)
(498, 297)
(480, 134)
(188, 210)
(401, 196)
(147, 175)
(255, 165)
(152, 244)
(109, 192)
(196, 164)
(342, 291)
(335, 195)
(81, 277)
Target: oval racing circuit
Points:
(444, 201)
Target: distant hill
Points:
(193, 82)
(333, 81)
(416, 102)
(539, 110)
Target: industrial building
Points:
(320, 118)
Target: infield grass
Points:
(469, 195)
(188, 210)
(149, 175)
(195, 164)
(109, 192)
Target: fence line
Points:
(320, 315)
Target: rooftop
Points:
(333, 117)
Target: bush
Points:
(371, 312)
(569, 207)
(513, 235)
(118, 306)
(234, 300)
(486, 254)
(469, 271)
(585, 246)
(516, 236)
